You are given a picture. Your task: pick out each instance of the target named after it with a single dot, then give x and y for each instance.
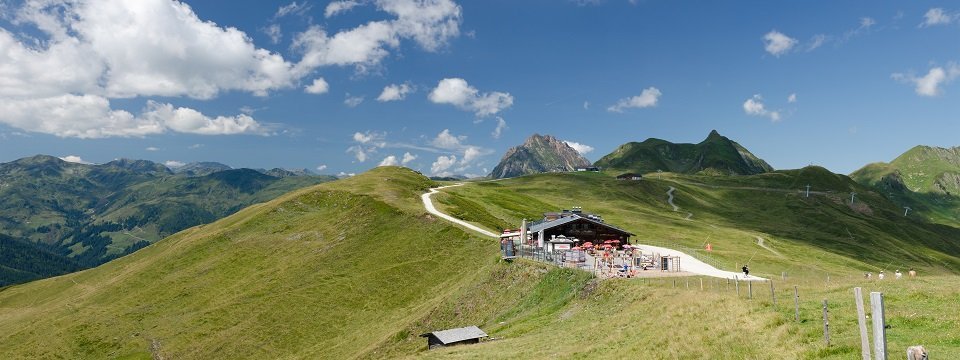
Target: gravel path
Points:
(428, 204)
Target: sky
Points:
(446, 87)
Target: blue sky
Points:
(446, 87)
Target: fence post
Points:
(688, 283)
(750, 288)
(879, 326)
(862, 322)
(674, 283)
(796, 303)
(783, 275)
(773, 296)
(826, 324)
(701, 284)
(737, 283)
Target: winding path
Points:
(760, 242)
(688, 263)
(670, 198)
(428, 204)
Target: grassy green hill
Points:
(88, 214)
(356, 269)
(715, 154)
(925, 178)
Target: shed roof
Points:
(456, 335)
(554, 223)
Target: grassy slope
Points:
(816, 238)
(297, 278)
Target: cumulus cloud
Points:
(754, 106)
(932, 83)
(321, 167)
(446, 140)
(152, 148)
(88, 52)
(937, 16)
(190, 121)
(75, 159)
(501, 126)
(457, 92)
(407, 158)
(353, 101)
(647, 98)
(442, 164)
(394, 92)
(336, 7)
(366, 144)
(776, 43)
(319, 86)
(470, 154)
(583, 149)
(389, 161)
(792, 98)
(173, 164)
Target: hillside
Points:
(926, 179)
(356, 269)
(715, 154)
(538, 154)
(89, 214)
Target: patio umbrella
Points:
(587, 244)
(576, 248)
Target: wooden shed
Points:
(464, 335)
(630, 176)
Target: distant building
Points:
(630, 176)
(589, 168)
(458, 336)
(577, 225)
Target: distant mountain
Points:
(282, 173)
(925, 178)
(538, 154)
(201, 168)
(83, 215)
(715, 154)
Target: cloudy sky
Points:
(446, 87)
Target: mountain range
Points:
(73, 216)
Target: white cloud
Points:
(367, 144)
(389, 161)
(817, 41)
(792, 98)
(937, 16)
(647, 98)
(443, 163)
(195, 146)
(583, 149)
(776, 43)
(429, 23)
(343, 174)
(152, 148)
(586, 105)
(932, 83)
(174, 164)
(293, 8)
(501, 126)
(319, 86)
(456, 92)
(87, 52)
(274, 33)
(394, 92)
(407, 158)
(470, 154)
(321, 167)
(754, 107)
(353, 101)
(186, 120)
(75, 159)
(336, 7)
(446, 140)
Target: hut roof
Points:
(456, 335)
(551, 224)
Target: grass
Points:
(356, 269)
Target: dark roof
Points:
(457, 335)
(551, 224)
(629, 175)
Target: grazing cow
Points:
(916, 352)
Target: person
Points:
(880, 276)
(898, 274)
(913, 273)
(746, 270)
